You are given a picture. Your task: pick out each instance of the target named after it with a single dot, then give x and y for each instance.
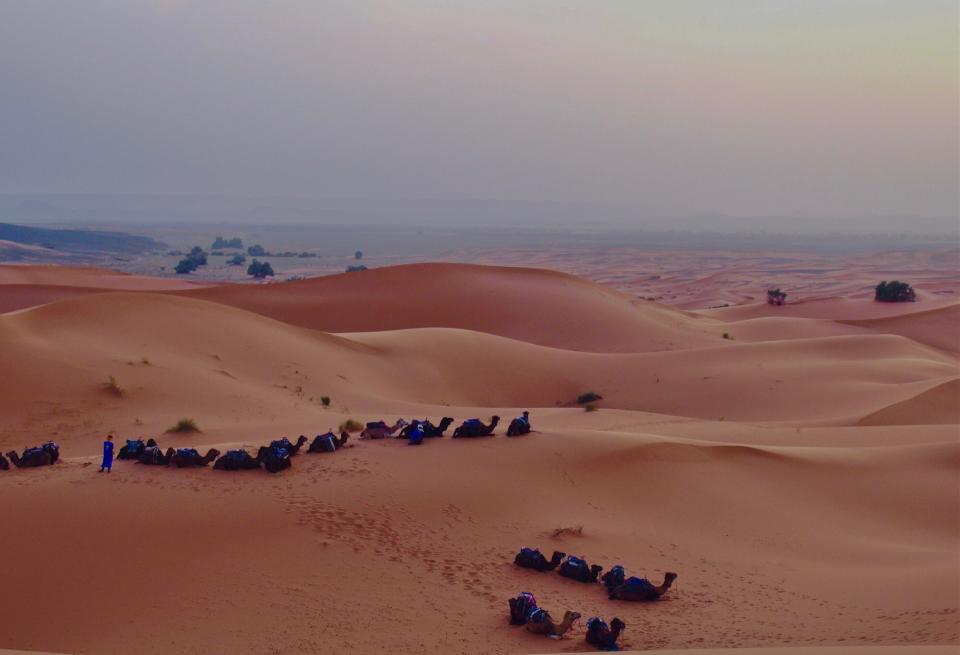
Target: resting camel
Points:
(328, 443)
(153, 456)
(541, 623)
(380, 430)
(291, 448)
(576, 568)
(429, 429)
(614, 577)
(4, 464)
(236, 460)
(44, 455)
(475, 428)
(519, 426)
(641, 589)
(184, 457)
(274, 459)
(134, 447)
(604, 636)
(531, 558)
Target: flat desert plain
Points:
(799, 474)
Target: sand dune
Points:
(801, 476)
(934, 327)
(534, 305)
(937, 405)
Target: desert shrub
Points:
(358, 254)
(237, 260)
(726, 335)
(260, 269)
(113, 386)
(325, 401)
(350, 425)
(776, 296)
(185, 266)
(356, 269)
(184, 425)
(894, 291)
(590, 407)
(588, 397)
(574, 531)
(256, 251)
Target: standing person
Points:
(107, 462)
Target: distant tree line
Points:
(220, 242)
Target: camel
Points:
(184, 457)
(531, 558)
(641, 589)
(153, 456)
(236, 460)
(134, 447)
(328, 443)
(291, 448)
(274, 459)
(541, 623)
(614, 577)
(519, 426)
(4, 464)
(380, 430)
(45, 455)
(475, 428)
(429, 429)
(576, 568)
(601, 635)
(521, 608)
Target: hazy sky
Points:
(818, 107)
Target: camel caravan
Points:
(275, 456)
(525, 611)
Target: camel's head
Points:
(595, 571)
(151, 442)
(213, 453)
(558, 556)
(495, 419)
(446, 421)
(302, 440)
(617, 625)
(669, 578)
(571, 617)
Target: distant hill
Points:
(78, 241)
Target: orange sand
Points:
(801, 477)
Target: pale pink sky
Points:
(813, 107)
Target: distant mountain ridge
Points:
(79, 241)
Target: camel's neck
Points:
(662, 589)
(565, 625)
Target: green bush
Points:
(588, 397)
(113, 386)
(184, 425)
(894, 291)
(325, 401)
(356, 269)
(350, 425)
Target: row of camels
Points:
(525, 611)
(470, 428)
(276, 456)
(618, 585)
